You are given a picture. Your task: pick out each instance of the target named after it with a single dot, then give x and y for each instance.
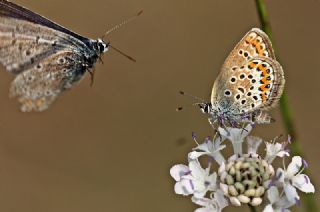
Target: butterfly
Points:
(250, 82)
(46, 58)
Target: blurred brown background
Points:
(110, 147)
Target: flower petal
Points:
(184, 187)
(268, 208)
(294, 167)
(302, 182)
(274, 150)
(291, 193)
(205, 210)
(179, 170)
(273, 194)
(195, 155)
(280, 175)
(253, 144)
(196, 170)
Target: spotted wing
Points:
(14, 11)
(23, 44)
(46, 57)
(250, 78)
(37, 87)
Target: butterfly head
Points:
(101, 46)
(205, 107)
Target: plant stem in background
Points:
(308, 200)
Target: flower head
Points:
(243, 178)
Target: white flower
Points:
(291, 178)
(275, 150)
(215, 204)
(253, 144)
(210, 148)
(243, 178)
(193, 179)
(236, 136)
(277, 203)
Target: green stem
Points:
(252, 209)
(309, 201)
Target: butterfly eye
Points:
(207, 108)
(101, 47)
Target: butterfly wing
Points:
(250, 78)
(46, 57)
(37, 87)
(9, 9)
(23, 44)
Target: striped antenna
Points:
(121, 24)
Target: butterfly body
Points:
(250, 82)
(46, 57)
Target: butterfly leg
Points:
(262, 117)
(222, 123)
(91, 72)
(212, 123)
(100, 60)
(216, 132)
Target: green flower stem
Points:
(252, 209)
(308, 200)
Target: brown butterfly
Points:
(249, 83)
(46, 57)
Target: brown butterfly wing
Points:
(250, 77)
(37, 87)
(23, 44)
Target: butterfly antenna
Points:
(192, 96)
(121, 24)
(122, 53)
(183, 107)
(201, 101)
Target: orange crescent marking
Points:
(248, 39)
(264, 80)
(259, 49)
(264, 70)
(263, 97)
(252, 65)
